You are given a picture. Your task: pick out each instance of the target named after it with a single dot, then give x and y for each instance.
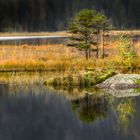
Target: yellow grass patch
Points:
(54, 57)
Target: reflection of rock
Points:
(122, 81)
(123, 93)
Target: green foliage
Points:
(105, 76)
(126, 52)
(90, 108)
(86, 79)
(137, 81)
(137, 90)
(85, 26)
(126, 110)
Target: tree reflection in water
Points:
(90, 105)
(96, 106)
(126, 111)
(90, 108)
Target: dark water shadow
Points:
(35, 112)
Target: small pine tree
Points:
(85, 27)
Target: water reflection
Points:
(33, 111)
(90, 108)
(4, 88)
(126, 112)
(36, 41)
(96, 105)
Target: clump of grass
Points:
(81, 80)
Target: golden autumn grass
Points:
(40, 58)
(54, 58)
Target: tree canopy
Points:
(85, 27)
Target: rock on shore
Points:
(121, 82)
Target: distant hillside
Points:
(45, 15)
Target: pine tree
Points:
(85, 26)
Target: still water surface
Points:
(31, 111)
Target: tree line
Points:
(48, 15)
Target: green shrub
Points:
(126, 53)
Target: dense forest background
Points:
(48, 15)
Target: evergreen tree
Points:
(85, 26)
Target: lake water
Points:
(43, 40)
(32, 40)
(31, 111)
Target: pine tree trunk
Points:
(102, 43)
(86, 54)
(97, 52)
(89, 52)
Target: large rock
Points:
(121, 82)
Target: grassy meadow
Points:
(57, 58)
